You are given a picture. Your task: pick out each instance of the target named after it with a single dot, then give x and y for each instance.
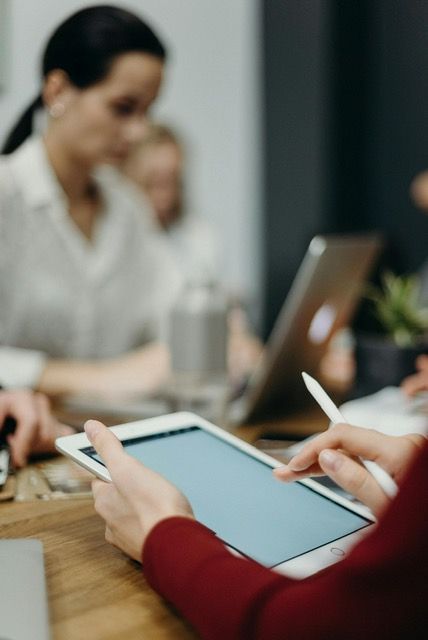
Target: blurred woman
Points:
(85, 278)
(156, 165)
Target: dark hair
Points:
(85, 46)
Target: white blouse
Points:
(61, 295)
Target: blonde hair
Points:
(157, 134)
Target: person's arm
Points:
(244, 348)
(36, 428)
(141, 371)
(379, 591)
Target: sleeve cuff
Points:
(20, 367)
(162, 534)
(162, 530)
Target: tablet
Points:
(295, 528)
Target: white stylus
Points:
(327, 405)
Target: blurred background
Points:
(300, 117)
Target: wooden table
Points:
(95, 591)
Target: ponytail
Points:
(22, 129)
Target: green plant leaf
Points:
(397, 307)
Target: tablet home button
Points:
(337, 552)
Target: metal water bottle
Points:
(198, 345)
(198, 330)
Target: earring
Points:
(57, 110)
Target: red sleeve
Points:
(379, 591)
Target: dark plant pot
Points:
(381, 363)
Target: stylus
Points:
(327, 405)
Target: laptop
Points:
(322, 300)
(23, 598)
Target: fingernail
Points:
(279, 470)
(331, 460)
(91, 429)
(296, 465)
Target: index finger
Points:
(366, 443)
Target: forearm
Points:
(210, 587)
(230, 598)
(227, 597)
(140, 371)
(61, 377)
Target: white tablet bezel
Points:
(298, 567)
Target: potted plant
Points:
(386, 358)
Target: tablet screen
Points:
(238, 497)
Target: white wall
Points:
(211, 94)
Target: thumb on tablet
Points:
(104, 442)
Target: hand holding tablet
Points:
(136, 499)
(295, 528)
